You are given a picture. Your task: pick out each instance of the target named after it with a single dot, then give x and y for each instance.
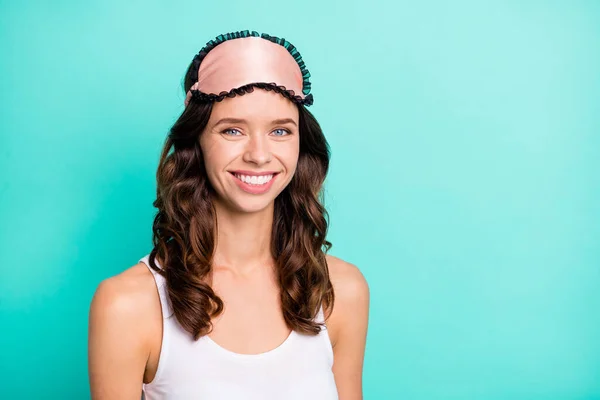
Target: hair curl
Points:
(184, 227)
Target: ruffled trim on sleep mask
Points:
(249, 88)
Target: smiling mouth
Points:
(254, 180)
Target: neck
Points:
(243, 240)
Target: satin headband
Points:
(237, 62)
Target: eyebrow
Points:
(243, 121)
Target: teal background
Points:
(464, 180)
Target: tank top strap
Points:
(324, 335)
(161, 285)
(320, 315)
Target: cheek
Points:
(291, 158)
(288, 154)
(215, 156)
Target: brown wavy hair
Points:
(185, 226)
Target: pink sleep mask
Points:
(236, 63)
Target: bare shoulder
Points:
(351, 294)
(347, 326)
(124, 318)
(347, 279)
(129, 292)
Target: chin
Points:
(254, 206)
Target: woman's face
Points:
(250, 146)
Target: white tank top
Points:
(298, 369)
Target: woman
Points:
(237, 299)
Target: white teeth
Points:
(255, 180)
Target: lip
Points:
(253, 189)
(253, 173)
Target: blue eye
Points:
(282, 130)
(230, 130)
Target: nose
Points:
(257, 150)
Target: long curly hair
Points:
(185, 227)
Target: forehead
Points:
(259, 105)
